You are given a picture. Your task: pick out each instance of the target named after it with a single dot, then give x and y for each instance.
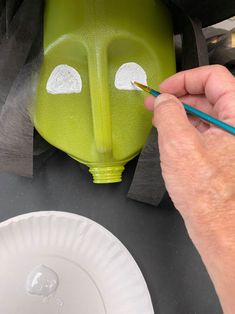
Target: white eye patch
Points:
(64, 80)
(127, 73)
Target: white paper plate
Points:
(96, 273)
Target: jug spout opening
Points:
(103, 175)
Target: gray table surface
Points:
(156, 237)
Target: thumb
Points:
(171, 120)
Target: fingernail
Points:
(165, 97)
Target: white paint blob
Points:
(127, 73)
(42, 281)
(64, 79)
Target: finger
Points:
(213, 81)
(199, 102)
(224, 108)
(171, 119)
(149, 103)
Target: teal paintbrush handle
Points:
(203, 115)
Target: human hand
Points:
(198, 165)
(198, 160)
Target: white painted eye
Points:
(64, 80)
(127, 73)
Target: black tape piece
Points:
(43, 151)
(2, 20)
(194, 45)
(16, 46)
(148, 185)
(16, 128)
(20, 59)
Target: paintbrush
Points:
(189, 109)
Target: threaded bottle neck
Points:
(102, 175)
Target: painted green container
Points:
(80, 108)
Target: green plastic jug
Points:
(85, 104)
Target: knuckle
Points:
(166, 108)
(182, 147)
(220, 68)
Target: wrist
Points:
(211, 220)
(210, 211)
(214, 238)
(213, 230)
